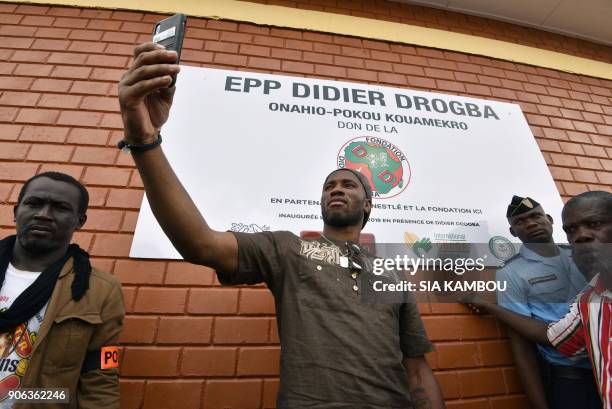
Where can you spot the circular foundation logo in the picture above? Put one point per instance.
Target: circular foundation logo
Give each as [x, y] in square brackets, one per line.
[502, 248]
[380, 161]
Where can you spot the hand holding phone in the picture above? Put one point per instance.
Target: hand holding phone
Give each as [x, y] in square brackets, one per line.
[170, 33]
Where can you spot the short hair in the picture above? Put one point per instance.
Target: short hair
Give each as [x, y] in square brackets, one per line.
[601, 196]
[61, 177]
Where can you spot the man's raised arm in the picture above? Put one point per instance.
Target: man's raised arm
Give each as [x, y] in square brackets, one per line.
[145, 102]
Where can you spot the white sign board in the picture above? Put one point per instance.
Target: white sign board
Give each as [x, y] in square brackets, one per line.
[253, 151]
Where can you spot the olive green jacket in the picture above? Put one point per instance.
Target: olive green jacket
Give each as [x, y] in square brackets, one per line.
[68, 331]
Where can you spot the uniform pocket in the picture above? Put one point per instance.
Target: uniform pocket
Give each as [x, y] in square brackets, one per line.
[68, 339]
[547, 289]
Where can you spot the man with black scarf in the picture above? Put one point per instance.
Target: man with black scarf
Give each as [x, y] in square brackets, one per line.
[59, 318]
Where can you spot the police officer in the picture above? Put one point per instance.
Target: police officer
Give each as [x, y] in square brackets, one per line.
[542, 280]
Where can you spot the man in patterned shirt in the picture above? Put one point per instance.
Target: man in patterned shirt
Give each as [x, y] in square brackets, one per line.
[587, 220]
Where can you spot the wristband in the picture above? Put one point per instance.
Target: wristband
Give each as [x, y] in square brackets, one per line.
[138, 147]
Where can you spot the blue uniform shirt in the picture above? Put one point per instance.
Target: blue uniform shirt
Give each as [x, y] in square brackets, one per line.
[542, 288]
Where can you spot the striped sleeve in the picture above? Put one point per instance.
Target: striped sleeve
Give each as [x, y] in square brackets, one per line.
[567, 334]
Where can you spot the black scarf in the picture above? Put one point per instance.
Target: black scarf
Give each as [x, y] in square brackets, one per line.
[34, 298]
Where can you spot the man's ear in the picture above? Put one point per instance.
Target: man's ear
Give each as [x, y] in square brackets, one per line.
[82, 220]
[367, 206]
[512, 232]
[550, 219]
[15, 213]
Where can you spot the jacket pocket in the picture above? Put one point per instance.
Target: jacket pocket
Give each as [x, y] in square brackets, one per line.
[68, 339]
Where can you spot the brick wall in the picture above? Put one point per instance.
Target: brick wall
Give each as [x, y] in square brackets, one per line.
[187, 339]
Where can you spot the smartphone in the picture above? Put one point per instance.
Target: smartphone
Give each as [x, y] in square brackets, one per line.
[170, 33]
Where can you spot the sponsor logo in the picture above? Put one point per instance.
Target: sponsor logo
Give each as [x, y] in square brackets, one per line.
[420, 247]
[248, 228]
[380, 161]
[501, 248]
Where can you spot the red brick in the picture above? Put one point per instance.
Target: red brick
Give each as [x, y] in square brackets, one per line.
[89, 87]
[37, 116]
[97, 196]
[114, 245]
[457, 355]
[270, 390]
[421, 82]
[150, 361]
[408, 69]
[330, 71]
[348, 61]
[131, 393]
[208, 362]
[182, 273]
[230, 59]
[605, 178]
[223, 47]
[258, 361]
[494, 353]
[129, 296]
[137, 272]
[256, 301]
[538, 120]
[160, 300]
[13, 151]
[85, 136]
[49, 32]
[16, 42]
[107, 61]
[100, 103]
[571, 148]
[561, 173]
[378, 65]
[130, 219]
[213, 301]
[299, 67]
[59, 101]
[30, 56]
[222, 25]
[43, 134]
[71, 72]
[449, 384]
[10, 132]
[253, 29]
[573, 189]
[326, 48]
[481, 382]
[112, 120]
[50, 44]
[184, 330]
[99, 156]
[79, 118]
[452, 86]
[74, 171]
[598, 151]
[19, 98]
[50, 153]
[264, 63]
[138, 330]
[128, 49]
[235, 330]
[88, 35]
[8, 114]
[165, 394]
[363, 75]
[106, 74]
[586, 176]
[18, 171]
[237, 394]
[50, 85]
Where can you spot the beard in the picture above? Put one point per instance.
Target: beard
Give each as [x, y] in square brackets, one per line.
[593, 258]
[337, 218]
[35, 246]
